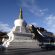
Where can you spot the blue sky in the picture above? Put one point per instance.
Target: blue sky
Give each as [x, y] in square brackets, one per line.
[37, 12]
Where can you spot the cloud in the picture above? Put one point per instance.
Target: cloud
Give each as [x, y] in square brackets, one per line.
[50, 23]
[4, 27]
[33, 8]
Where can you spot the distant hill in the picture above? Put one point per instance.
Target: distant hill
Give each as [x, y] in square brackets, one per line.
[3, 35]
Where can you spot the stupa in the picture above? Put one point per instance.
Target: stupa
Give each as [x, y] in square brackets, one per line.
[20, 36]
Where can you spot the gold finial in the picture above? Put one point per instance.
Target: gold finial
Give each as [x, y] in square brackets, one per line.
[20, 16]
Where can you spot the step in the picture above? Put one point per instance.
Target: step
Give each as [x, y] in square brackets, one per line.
[24, 44]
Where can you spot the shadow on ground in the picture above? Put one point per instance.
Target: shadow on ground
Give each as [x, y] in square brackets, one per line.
[23, 51]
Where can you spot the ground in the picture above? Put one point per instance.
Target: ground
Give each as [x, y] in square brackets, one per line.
[27, 51]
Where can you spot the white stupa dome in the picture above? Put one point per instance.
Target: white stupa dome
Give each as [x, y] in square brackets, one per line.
[18, 22]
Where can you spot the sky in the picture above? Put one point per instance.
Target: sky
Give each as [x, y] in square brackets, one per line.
[37, 12]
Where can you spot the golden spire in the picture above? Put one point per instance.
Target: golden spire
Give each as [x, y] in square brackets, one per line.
[20, 15]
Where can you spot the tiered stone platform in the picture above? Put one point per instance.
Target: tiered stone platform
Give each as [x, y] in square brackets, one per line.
[23, 40]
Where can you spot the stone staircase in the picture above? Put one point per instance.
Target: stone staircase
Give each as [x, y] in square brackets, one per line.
[23, 40]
